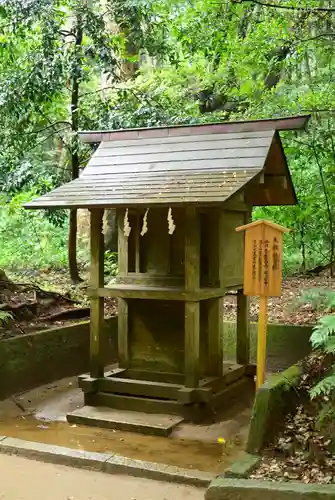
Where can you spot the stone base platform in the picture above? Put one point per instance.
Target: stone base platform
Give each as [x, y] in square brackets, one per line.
[160, 393]
[130, 421]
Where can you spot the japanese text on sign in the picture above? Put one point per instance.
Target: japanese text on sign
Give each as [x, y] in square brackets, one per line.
[262, 258]
[263, 262]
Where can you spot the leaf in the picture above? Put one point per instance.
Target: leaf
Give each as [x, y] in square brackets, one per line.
[324, 328]
[5, 316]
[325, 387]
[330, 346]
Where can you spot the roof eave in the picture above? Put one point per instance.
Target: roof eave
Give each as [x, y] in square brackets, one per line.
[40, 206]
[295, 198]
[279, 124]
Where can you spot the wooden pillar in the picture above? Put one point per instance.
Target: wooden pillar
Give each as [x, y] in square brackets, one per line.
[215, 334]
[123, 333]
[192, 309]
[192, 250]
[122, 243]
[215, 306]
[242, 329]
[122, 303]
[242, 320]
[97, 303]
[192, 341]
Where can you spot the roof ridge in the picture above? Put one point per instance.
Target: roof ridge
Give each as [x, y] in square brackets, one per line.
[280, 123]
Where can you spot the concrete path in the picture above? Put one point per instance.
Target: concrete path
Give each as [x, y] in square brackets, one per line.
[23, 479]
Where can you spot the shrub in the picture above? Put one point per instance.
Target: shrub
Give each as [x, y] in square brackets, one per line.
[323, 339]
[29, 239]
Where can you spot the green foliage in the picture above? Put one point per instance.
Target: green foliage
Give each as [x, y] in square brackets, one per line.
[29, 240]
[5, 317]
[54, 52]
[110, 267]
[323, 341]
[324, 333]
[320, 299]
[323, 338]
[327, 418]
[199, 61]
[325, 387]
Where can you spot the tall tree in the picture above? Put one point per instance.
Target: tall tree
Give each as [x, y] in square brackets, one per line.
[214, 61]
[53, 52]
[67, 40]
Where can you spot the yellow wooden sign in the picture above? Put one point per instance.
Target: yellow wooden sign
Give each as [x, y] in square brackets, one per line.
[263, 258]
[262, 275]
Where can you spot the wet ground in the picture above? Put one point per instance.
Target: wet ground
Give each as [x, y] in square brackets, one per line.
[40, 415]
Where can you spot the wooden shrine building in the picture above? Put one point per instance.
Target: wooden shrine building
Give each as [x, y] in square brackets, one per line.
[179, 193]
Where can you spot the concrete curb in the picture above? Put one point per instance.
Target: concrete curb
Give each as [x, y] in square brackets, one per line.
[103, 462]
[242, 468]
[273, 401]
[249, 489]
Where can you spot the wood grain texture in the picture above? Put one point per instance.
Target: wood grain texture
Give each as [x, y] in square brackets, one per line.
[97, 303]
[173, 169]
[192, 344]
[236, 162]
[213, 247]
[149, 141]
[261, 341]
[231, 247]
[215, 335]
[251, 126]
[123, 333]
[192, 249]
[156, 292]
[165, 157]
[137, 387]
[187, 144]
[263, 259]
[242, 329]
[123, 262]
[155, 244]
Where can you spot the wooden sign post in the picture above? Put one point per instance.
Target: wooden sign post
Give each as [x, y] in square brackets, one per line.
[262, 275]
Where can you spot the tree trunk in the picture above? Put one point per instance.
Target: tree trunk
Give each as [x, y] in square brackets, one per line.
[4, 278]
[72, 247]
[303, 248]
[328, 211]
[126, 22]
[5, 282]
[72, 239]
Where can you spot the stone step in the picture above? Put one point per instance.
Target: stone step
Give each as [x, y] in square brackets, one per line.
[130, 421]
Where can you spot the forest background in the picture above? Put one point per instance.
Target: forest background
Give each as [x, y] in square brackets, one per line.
[70, 65]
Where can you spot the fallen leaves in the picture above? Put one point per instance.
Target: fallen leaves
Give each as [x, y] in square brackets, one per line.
[295, 469]
[47, 299]
[286, 308]
[302, 452]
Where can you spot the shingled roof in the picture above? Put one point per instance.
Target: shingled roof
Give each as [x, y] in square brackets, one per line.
[204, 166]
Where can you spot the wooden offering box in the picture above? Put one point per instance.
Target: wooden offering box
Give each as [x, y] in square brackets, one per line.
[179, 194]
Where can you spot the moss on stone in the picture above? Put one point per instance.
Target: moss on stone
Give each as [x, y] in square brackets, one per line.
[272, 402]
[246, 489]
[286, 344]
[34, 359]
[243, 467]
